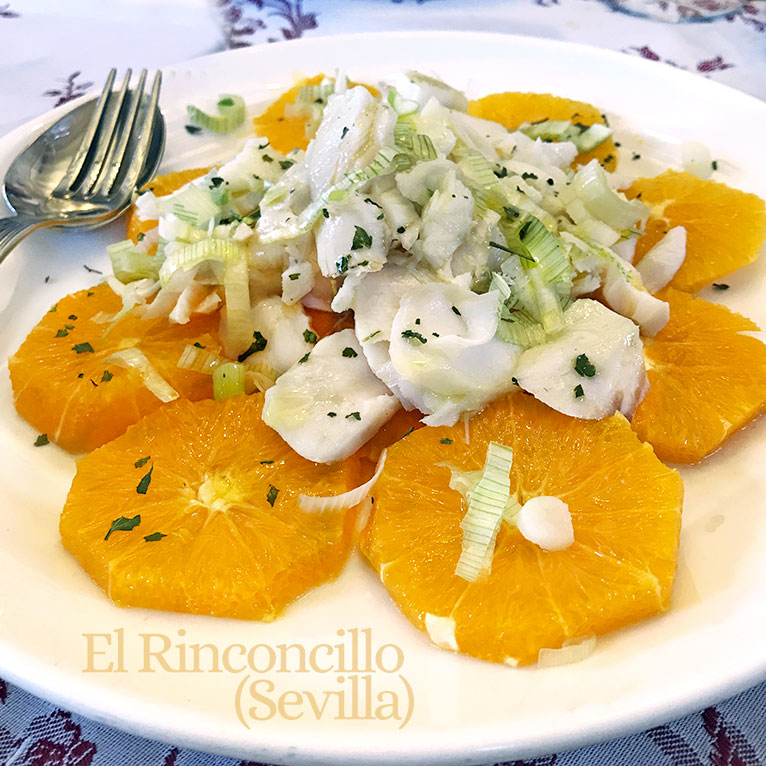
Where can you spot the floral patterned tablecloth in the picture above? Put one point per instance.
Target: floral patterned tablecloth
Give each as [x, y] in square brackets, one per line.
[52, 52]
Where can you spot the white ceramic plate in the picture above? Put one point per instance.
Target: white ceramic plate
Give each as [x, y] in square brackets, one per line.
[452, 709]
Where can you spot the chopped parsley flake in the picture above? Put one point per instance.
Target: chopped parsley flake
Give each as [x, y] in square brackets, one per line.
[215, 182]
[140, 236]
[514, 381]
[456, 310]
[146, 480]
[42, 440]
[409, 431]
[332, 414]
[257, 345]
[400, 230]
[123, 524]
[435, 334]
[293, 277]
[417, 321]
[285, 164]
[445, 440]
[372, 202]
[578, 392]
[310, 337]
[267, 462]
[61, 333]
[502, 173]
[271, 497]
[325, 212]
[342, 264]
[343, 134]
[636, 156]
[267, 158]
[354, 415]
[142, 461]
[529, 176]
[69, 327]
[193, 129]
[583, 366]
[73, 317]
[52, 309]
[107, 376]
[197, 344]
[380, 217]
[304, 358]
[83, 348]
[155, 537]
[349, 352]
[90, 270]
[412, 335]
[714, 164]
[550, 182]
[720, 286]
[362, 239]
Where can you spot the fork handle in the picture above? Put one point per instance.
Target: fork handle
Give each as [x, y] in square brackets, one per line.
[15, 228]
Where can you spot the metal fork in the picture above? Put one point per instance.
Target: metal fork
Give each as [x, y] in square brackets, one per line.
[83, 170]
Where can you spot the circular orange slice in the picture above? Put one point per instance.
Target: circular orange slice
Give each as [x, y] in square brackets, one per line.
[626, 513]
[706, 379]
[725, 227]
[65, 385]
[195, 509]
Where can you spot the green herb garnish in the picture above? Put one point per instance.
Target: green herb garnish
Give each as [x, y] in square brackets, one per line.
[257, 345]
[354, 415]
[578, 392]
[142, 461]
[349, 352]
[583, 367]
[83, 348]
[412, 335]
[445, 440]
[146, 480]
[106, 377]
[310, 337]
[361, 240]
[154, 537]
[271, 497]
[123, 524]
[42, 440]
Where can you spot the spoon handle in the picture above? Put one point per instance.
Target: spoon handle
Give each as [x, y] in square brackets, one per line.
[15, 228]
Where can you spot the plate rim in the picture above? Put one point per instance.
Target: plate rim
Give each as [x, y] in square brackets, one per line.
[693, 699]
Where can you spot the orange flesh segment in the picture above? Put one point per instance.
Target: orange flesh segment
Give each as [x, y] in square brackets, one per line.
[706, 378]
[63, 394]
[228, 551]
[512, 109]
[725, 227]
[626, 512]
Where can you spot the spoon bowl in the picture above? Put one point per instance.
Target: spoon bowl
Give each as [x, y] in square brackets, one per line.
[37, 171]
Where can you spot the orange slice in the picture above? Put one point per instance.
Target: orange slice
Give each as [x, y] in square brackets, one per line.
[626, 512]
[161, 186]
[706, 379]
[725, 228]
[215, 528]
[512, 109]
[65, 387]
[288, 133]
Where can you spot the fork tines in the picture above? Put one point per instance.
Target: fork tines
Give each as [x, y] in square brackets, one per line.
[116, 142]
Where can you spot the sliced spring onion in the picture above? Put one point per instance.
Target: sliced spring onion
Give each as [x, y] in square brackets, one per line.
[129, 264]
[231, 114]
[346, 499]
[236, 327]
[591, 185]
[584, 137]
[189, 256]
[485, 513]
[552, 264]
[136, 359]
[401, 105]
[203, 360]
[572, 650]
[192, 205]
[419, 146]
[228, 380]
[521, 332]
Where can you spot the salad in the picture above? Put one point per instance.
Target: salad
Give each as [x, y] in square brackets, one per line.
[410, 256]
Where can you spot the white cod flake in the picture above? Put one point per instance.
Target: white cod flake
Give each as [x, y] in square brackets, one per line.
[249, 168]
[446, 221]
[441, 630]
[444, 355]
[662, 262]
[613, 346]
[336, 234]
[328, 406]
[283, 327]
[354, 127]
[547, 522]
